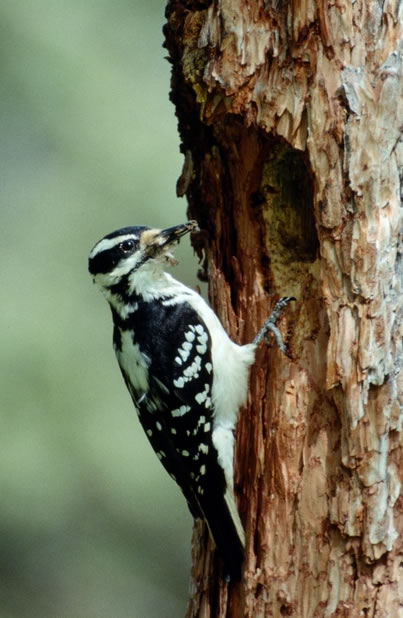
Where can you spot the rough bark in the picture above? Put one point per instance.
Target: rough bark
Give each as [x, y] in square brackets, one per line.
[290, 115]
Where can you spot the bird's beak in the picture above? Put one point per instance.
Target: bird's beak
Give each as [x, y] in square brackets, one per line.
[158, 243]
[174, 234]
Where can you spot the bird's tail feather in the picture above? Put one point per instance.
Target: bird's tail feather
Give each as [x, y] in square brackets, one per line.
[226, 529]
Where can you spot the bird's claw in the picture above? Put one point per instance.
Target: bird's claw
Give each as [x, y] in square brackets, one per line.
[270, 325]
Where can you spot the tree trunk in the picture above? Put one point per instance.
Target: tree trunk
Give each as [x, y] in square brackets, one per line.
[290, 116]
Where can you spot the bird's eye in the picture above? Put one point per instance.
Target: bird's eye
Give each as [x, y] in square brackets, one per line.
[127, 245]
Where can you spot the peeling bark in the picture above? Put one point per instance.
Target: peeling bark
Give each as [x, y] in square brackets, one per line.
[291, 115]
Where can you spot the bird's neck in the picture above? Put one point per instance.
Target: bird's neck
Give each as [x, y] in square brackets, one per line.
[149, 283]
[145, 285]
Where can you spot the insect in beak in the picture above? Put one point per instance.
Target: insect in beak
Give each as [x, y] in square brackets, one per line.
[163, 239]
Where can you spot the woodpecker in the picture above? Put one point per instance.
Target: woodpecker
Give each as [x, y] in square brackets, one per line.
[187, 379]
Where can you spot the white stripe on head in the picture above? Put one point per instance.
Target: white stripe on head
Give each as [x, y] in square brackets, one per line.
[108, 243]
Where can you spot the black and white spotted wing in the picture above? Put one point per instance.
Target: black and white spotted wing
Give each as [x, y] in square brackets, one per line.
[177, 416]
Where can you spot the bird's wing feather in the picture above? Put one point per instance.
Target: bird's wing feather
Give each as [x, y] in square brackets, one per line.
[178, 418]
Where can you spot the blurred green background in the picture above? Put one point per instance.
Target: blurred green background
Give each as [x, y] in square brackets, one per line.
[90, 524]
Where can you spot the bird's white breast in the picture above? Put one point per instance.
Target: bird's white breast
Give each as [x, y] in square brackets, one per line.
[134, 362]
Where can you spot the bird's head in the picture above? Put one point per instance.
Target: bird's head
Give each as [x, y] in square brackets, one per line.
[130, 251]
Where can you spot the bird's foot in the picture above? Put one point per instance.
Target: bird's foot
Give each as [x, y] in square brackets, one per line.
[270, 325]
